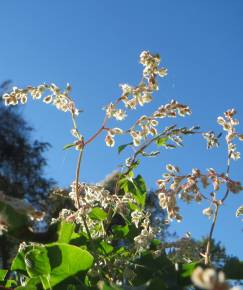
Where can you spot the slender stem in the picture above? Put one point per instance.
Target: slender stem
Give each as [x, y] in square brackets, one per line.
[86, 227]
[75, 125]
[77, 177]
[225, 196]
[94, 136]
[77, 193]
[208, 248]
[228, 165]
[103, 126]
[98, 132]
[217, 203]
[227, 175]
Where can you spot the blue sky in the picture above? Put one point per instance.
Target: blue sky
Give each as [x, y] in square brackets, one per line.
[94, 45]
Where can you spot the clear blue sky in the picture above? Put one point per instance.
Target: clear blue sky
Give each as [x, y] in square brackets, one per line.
[95, 45]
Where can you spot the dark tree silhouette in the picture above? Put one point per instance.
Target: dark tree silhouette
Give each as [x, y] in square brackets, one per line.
[22, 160]
[21, 167]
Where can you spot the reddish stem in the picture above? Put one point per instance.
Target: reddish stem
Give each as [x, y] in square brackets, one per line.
[97, 133]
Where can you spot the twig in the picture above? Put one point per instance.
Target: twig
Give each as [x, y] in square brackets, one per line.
[208, 248]
[77, 177]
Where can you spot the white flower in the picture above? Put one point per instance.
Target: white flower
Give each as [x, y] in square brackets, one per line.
[47, 99]
[126, 89]
[109, 110]
[109, 140]
[221, 121]
[116, 131]
[119, 115]
[239, 211]
[136, 217]
[143, 240]
[208, 212]
[171, 168]
[131, 104]
[23, 99]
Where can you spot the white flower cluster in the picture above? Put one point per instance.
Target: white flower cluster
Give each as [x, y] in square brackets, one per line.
[210, 279]
[51, 95]
[187, 188]
[131, 97]
[142, 128]
[137, 216]
[171, 110]
[212, 139]
[93, 196]
[228, 123]
[141, 94]
[151, 68]
[143, 240]
[146, 125]
[167, 200]
[112, 111]
[97, 196]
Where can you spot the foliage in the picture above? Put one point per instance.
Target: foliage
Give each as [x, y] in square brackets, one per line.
[108, 238]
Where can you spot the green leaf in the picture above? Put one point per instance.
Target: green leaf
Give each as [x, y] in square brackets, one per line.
[10, 283]
[67, 261]
[79, 239]
[185, 272]
[68, 146]
[15, 218]
[120, 231]
[162, 141]
[3, 274]
[98, 214]
[148, 267]
[37, 262]
[137, 187]
[52, 263]
[155, 243]
[31, 284]
[122, 147]
[18, 263]
[140, 190]
[65, 232]
[187, 269]
[105, 248]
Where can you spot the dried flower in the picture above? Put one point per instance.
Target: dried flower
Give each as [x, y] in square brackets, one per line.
[109, 140]
[208, 212]
[209, 279]
[212, 139]
[143, 240]
[228, 123]
[61, 100]
[119, 114]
